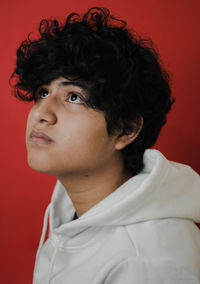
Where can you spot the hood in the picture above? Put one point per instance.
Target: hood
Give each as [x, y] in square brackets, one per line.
[163, 189]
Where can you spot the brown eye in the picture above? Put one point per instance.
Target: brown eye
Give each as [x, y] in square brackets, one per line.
[43, 93]
[74, 98]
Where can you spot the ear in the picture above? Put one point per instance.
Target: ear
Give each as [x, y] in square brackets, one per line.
[124, 140]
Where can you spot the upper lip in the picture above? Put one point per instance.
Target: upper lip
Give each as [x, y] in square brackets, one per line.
[40, 135]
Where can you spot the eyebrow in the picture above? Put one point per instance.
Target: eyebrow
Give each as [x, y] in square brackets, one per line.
[76, 84]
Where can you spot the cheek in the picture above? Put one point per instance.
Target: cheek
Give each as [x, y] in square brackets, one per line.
[85, 132]
[85, 140]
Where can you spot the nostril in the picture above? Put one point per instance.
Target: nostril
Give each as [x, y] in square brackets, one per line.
[42, 119]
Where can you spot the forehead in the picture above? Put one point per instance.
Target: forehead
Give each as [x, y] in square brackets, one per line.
[62, 82]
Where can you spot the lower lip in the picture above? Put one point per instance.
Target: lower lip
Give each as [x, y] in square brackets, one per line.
[40, 140]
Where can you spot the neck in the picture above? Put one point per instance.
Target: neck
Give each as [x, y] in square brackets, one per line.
[89, 188]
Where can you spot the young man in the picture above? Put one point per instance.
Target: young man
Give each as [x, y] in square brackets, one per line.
[120, 211]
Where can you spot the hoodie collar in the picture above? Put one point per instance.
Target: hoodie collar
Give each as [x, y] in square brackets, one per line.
[163, 189]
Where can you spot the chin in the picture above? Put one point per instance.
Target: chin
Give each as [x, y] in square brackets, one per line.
[40, 165]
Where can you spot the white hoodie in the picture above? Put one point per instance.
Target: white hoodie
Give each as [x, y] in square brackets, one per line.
[142, 233]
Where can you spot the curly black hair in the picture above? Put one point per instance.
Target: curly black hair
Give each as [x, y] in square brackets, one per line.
[121, 69]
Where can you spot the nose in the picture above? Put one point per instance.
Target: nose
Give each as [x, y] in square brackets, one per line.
[45, 112]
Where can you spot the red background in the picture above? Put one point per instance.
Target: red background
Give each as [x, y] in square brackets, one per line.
[174, 27]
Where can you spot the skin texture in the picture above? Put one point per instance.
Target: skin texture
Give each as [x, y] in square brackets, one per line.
[86, 160]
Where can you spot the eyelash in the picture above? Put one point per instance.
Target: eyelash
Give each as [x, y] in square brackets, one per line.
[37, 97]
[78, 96]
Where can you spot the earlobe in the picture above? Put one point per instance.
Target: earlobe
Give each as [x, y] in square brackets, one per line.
[124, 140]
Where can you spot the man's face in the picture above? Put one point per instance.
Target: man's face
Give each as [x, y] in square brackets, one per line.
[80, 143]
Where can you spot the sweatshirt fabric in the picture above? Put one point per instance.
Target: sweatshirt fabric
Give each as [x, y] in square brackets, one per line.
[142, 233]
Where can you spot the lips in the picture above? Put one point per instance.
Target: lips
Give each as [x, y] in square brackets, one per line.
[40, 137]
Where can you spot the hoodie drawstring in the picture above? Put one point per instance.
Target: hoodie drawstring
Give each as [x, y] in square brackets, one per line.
[44, 229]
[45, 222]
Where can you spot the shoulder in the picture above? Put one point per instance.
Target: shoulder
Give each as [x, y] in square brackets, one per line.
[174, 240]
[163, 251]
[138, 270]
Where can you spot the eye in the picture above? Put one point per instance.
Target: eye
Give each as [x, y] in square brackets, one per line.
[43, 93]
[74, 98]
